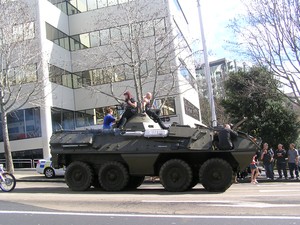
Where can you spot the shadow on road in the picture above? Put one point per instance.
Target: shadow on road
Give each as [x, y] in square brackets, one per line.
[155, 189]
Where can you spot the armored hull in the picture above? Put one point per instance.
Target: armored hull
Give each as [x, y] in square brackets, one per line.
[117, 160]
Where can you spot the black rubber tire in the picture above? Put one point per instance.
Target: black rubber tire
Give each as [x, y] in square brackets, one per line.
[9, 182]
[216, 175]
[134, 182]
[176, 175]
[79, 176]
[49, 172]
[113, 176]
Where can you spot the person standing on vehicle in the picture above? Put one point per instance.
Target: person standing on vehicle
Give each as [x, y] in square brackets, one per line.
[267, 158]
[280, 156]
[130, 109]
[293, 161]
[225, 137]
[152, 113]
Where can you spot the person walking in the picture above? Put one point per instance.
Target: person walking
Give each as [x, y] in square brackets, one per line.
[254, 170]
[293, 161]
[280, 156]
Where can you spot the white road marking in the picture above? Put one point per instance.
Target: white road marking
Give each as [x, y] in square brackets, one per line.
[231, 204]
[281, 190]
[151, 215]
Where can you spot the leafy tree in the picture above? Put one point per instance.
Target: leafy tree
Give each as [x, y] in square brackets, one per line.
[268, 34]
[253, 94]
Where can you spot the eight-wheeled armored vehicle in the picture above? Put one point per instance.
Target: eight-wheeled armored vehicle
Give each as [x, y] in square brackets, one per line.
[117, 160]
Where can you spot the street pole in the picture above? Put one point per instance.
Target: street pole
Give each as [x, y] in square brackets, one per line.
[207, 70]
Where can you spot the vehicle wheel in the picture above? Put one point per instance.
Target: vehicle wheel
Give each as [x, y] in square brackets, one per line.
[49, 173]
[216, 175]
[134, 182]
[79, 176]
[113, 176]
[9, 182]
[176, 175]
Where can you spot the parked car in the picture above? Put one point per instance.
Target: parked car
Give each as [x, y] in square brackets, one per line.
[44, 166]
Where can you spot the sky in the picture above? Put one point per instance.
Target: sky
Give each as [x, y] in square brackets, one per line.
[216, 15]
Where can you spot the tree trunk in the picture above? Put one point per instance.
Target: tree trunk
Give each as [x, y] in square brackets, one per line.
[7, 149]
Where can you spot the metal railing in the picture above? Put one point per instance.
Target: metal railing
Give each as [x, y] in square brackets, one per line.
[22, 163]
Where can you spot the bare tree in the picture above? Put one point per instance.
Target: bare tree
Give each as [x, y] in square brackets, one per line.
[145, 46]
[269, 33]
[19, 84]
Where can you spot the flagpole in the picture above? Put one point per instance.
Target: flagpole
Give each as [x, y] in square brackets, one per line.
[207, 70]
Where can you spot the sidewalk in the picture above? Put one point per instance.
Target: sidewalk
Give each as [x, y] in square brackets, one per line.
[30, 175]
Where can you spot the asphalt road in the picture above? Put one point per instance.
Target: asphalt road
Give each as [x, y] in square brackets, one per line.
[53, 203]
[51, 218]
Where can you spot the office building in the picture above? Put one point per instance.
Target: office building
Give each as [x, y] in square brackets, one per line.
[87, 53]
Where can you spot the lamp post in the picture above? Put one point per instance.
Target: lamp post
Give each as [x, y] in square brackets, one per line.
[207, 70]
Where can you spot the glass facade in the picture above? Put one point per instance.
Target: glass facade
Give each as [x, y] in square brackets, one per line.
[107, 75]
[22, 32]
[19, 75]
[106, 36]
[71, 7]
[69, 120]
[23, 124]
[167, 106]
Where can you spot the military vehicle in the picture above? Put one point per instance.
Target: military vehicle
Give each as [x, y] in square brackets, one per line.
[117, 160]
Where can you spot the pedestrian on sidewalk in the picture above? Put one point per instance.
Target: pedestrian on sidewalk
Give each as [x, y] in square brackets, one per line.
[267, 158]
[254, 169]
[280, 156]
[293, 161]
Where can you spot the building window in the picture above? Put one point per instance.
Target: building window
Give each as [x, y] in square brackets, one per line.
[71, 7]
[57, 37]
[23, 32]
[167, 106]
[91, 4]
[20, 75]
[60, 76]
[62, 119]
[112, 2]
[18, 33]
[95, 39]
[159, 26]
[29, 31]
[116, 34]
[84, 118]
[23, 124]
[104, 37]
[102, 3]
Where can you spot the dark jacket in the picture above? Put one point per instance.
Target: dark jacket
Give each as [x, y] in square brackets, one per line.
[280, 156]
[225, 137]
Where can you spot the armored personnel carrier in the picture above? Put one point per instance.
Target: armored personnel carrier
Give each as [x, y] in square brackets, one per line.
[118, 160]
